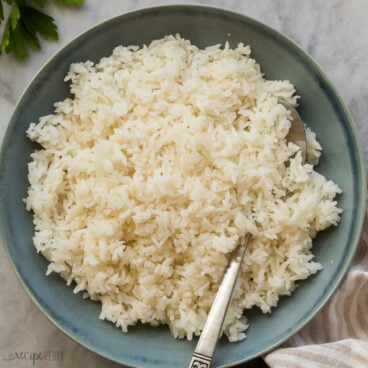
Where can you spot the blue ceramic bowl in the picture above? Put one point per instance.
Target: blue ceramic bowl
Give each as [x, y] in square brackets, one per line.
[321, 108]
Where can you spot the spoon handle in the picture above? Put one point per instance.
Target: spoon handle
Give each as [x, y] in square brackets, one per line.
[203, 353]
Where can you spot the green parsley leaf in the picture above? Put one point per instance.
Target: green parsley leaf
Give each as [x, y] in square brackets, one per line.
[20, 43]
[6, 38]
[14, 16]
[26, 23]
[40, 3]
[11, 24]
[37, 21]
[1, 12]
[30, 38]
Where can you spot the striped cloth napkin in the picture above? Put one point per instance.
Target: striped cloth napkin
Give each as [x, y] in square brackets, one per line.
[338, 336]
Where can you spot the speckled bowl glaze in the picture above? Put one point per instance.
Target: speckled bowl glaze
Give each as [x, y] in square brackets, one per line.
[321, 108]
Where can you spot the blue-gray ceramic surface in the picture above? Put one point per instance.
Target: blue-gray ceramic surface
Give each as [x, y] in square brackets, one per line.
[321, 108]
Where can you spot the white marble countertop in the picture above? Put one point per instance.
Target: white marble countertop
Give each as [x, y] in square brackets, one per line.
[334, 32]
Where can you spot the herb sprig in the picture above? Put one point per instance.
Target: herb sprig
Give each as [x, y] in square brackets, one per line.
[25, 23]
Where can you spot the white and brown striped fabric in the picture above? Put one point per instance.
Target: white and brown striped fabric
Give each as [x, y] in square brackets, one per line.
[338, 336]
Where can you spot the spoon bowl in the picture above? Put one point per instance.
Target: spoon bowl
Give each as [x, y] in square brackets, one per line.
[297, 130]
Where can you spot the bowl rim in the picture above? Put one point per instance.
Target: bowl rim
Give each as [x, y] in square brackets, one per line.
[316, 69]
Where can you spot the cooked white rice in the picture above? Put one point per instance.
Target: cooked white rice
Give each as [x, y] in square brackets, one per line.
[146, 179]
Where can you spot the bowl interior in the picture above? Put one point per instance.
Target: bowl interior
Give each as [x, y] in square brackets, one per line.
[320, 108]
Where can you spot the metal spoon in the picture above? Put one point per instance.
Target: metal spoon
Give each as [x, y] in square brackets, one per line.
[205, 349]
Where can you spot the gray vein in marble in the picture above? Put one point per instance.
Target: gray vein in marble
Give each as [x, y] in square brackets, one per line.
[6, 92]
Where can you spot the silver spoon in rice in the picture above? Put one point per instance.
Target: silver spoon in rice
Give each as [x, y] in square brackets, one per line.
[205, 349]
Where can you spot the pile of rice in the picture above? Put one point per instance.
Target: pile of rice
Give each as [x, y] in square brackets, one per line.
[146, 179]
